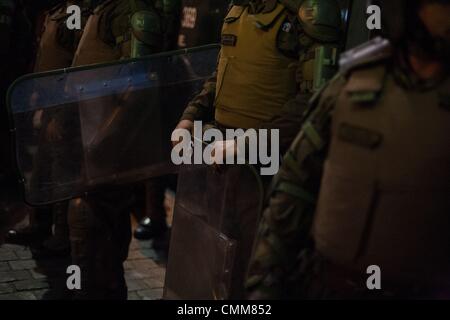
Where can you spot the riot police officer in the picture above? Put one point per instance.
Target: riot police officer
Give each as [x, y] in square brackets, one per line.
[365, 186]
[264, 77]
[200, 25]
[99, 223]
[56, 50]
[16, 55]
[294, 36]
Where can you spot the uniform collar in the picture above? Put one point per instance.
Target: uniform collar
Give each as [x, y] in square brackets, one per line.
[258, 6]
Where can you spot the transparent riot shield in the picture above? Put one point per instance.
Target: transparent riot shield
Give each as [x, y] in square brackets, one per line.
[80, 129]
[215, 220]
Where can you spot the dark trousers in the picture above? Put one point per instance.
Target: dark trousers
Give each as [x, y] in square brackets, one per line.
[100, 234]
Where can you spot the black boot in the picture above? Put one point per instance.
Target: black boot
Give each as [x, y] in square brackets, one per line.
[153, 226]
[58, 244]
[149, 229]
[39, 229]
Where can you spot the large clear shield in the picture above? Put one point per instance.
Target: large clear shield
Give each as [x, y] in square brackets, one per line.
[216, 215]
[80, 129]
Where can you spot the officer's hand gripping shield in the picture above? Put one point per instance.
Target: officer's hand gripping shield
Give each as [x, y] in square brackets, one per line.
[81, 129]
[215, 220]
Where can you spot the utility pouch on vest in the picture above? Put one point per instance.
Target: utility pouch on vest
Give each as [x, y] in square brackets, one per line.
[320, 66]
[325, 65]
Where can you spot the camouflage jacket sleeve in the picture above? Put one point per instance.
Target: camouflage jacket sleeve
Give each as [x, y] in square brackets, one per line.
[286, 222]
[202, 106]
[289, 120]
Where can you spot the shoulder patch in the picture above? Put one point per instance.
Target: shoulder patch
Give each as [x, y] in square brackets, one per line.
[359, 136]
[365, 85]
[265, 21]
[374, 51]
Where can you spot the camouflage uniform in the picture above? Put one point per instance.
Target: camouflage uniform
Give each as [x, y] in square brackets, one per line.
[354, 191]
[99, 223]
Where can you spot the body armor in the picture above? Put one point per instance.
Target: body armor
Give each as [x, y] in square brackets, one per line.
[385, 196]
[284, 55]
[92, 49]
[56, 48]
[254, 79]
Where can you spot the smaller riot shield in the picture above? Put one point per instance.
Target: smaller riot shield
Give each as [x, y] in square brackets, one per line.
[209, 260]
[81, 129]
[215, 221]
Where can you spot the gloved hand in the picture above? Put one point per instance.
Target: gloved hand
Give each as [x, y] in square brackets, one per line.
[183, 124]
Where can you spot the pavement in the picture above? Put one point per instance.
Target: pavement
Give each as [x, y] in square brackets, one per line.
[23, 276]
